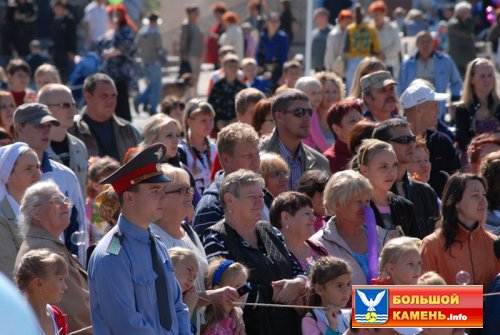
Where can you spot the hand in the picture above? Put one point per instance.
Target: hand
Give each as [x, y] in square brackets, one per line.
[190, 298]
[331, 315]
[238, 324]
[223, 296]
[291, 289]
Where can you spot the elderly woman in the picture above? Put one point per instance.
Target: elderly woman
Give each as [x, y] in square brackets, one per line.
[18, 170]
[45, 213]
[275, 172]
[293, 215]
[346, 195]
[462, 244]
[341, 118]
[275, 276]
[175, 231]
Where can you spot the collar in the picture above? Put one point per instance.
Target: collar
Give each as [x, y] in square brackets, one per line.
[433, 55]
[131, 230]
[37, 231]
[45, 164]
[287, 154]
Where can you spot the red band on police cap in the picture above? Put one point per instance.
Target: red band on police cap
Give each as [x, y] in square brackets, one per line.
[128, 180]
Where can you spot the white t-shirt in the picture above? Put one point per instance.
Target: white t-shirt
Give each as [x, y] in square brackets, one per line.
[97, 18]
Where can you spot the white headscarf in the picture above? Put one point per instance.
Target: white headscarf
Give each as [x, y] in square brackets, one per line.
[8, 157]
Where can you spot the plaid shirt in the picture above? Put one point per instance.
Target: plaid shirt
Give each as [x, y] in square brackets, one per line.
[294, 164]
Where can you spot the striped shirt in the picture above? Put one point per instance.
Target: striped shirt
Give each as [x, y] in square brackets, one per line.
[294, 164]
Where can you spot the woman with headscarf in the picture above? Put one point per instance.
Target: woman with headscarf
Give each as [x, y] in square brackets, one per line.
[19, 168]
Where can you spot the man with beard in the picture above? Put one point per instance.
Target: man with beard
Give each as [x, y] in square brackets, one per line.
[292, 113]
[379, 96]
[397, 132]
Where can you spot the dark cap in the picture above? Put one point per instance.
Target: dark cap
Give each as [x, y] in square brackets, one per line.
[145, 167]
[34, 113]
[376, 79]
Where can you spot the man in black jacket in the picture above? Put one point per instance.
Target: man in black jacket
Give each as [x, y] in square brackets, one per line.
[397, 132]
[421, 105]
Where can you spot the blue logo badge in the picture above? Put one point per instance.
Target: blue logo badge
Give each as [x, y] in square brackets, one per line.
[371, 306]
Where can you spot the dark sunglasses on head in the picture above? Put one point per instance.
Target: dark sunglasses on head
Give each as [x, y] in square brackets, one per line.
[300, 112]
[404, 139]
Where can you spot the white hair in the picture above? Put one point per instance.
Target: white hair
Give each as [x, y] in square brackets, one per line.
[35, 196]
[306, 83]
[462, 6]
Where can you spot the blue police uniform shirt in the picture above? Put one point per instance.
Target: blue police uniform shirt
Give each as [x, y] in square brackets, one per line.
[122, 287]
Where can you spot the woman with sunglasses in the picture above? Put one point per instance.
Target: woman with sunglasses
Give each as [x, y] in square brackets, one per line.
[174, 231]
[45, 213]
[18, 170]
[377, 161]
[479, 110]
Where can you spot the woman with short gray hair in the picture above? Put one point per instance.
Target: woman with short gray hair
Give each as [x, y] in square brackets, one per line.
[346, 195]
[275, 276]
[45, 213]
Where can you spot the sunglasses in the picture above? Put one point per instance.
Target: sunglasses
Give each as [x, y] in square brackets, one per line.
[300, 112]
[59, 201]
[65, 105]
[406, 139]
[185, 190]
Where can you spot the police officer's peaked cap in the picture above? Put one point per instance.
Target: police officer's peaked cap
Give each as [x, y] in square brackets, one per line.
[145, 167]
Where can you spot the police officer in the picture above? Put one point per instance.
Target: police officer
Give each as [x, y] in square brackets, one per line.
[133, 289]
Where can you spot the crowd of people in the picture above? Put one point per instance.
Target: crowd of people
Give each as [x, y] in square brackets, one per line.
[276, 187]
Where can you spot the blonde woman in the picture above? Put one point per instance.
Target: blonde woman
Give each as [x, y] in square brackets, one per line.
[333, 90]
[366, 66]
[275, 172]
[478, 112]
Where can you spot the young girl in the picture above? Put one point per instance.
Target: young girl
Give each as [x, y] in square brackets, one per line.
[40, 276]
[330, 288]
[377, 161]
[222, 272]
[197, 150]
[186, 266]
[400, 262]
[99, 168]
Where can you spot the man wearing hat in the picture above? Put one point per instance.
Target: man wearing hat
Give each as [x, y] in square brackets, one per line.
[421, 105]
[379, 96]
[132, 284]
[33, 124]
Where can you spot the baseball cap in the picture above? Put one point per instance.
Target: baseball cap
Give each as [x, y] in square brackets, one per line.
[377, 79]
[417, 94]
[34, 113]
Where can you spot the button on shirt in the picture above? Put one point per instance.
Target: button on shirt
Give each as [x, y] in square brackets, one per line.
[122, 287]
[294, 165]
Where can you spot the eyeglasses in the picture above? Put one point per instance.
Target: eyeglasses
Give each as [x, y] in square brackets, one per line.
[300, 112]
[65, 105]
[59, 201]
[406, 139]
[185, 190]
[269, 120]
[279, 173]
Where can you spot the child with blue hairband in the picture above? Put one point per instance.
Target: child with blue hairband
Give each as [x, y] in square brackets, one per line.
[223, 272]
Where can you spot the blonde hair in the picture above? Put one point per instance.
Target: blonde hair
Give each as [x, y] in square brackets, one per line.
[369, 148]
[395, 249]
[342, 187]
[39, 263]
[270, 161]
[212, 314]
[175, 174]
[431, 278]
[326, 76]
[48, 69]
[179, 255]
[308, 83]
[468, 89]
[368, 65]
[154, 126]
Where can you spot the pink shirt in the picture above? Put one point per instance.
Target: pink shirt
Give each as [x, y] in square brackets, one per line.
[316, 139]
[221, 328]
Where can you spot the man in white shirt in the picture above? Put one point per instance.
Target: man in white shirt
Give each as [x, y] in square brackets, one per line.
[95, 22]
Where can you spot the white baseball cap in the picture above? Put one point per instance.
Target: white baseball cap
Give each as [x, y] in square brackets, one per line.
[417, 94]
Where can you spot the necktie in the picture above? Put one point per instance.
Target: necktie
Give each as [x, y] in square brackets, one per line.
[161, 286]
